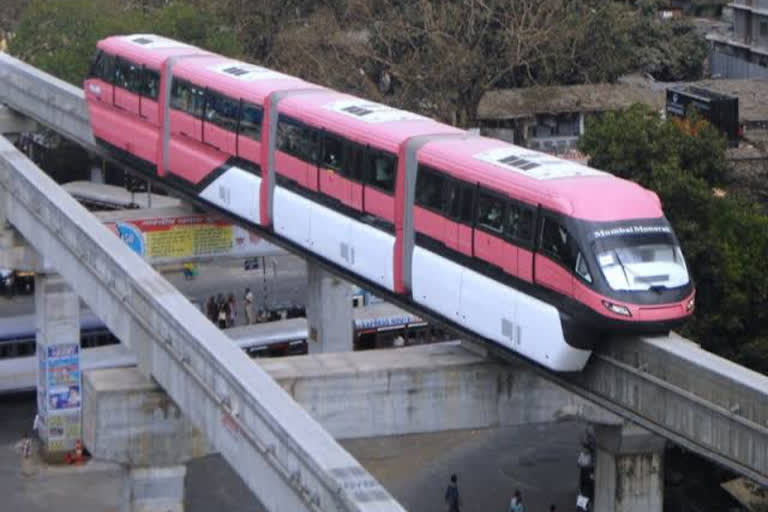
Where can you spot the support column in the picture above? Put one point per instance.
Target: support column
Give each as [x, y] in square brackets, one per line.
[629, 469]
[128, 419]
[154, 489]
[57, 310]
[329, 312]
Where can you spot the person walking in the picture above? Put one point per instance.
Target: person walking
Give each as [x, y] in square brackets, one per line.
[250, 317]
[452, 498]
[516, 503]
[221, 312]
[232, 313]
[211, 309]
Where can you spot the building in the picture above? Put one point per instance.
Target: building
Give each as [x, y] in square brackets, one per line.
[743, 51]
[551, 119]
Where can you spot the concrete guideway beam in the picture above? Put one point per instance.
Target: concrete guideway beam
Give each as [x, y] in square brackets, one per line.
[281, 453]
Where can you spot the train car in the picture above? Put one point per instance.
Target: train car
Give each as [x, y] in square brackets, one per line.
[535, 253]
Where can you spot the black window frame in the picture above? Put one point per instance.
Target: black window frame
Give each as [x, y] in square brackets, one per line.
[182, 82]
[372, 154]
[145, 91]
[134, 87]
[571, 247]
[497, 196]
[304, 130]
[517, 237]
[424, 174]
[252, 133]
[215, 121]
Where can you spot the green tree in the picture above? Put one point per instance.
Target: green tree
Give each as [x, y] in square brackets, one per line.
[60, 36]
[725, 241]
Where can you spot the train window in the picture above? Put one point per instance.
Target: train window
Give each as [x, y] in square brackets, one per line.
[250, 121]
[187, 97]
[150, 84]
[582, 270]
[467, 212]
[353, 161]
[519, 224]
[332, 149]
[383, 170]
[451, 198]
[222, 111]
[556, 241]
[128, 75]
[490, 212]
[429, 188]
[103, 67]
[297, 139]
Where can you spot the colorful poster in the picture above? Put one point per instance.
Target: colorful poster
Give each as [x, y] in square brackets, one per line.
[186, 237]
[63, 376]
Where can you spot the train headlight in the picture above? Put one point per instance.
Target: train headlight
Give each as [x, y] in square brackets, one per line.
[691, 304]
[617, 308]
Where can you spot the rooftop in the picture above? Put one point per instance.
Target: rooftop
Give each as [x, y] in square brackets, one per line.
[526, 102]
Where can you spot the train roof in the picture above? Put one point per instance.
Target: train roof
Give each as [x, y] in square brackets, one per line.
[148, 49]
[362, 120]
[562, 185]
[559, 184]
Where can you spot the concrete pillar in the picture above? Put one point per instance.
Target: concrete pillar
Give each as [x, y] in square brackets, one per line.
[128, 419]
[329, 312]
[154, 489]
[57, 310]
[629, 469]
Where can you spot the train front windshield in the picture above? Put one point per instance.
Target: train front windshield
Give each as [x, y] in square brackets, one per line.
[640, 262]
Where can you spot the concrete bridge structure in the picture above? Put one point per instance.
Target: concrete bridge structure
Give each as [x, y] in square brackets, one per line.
[667, 385]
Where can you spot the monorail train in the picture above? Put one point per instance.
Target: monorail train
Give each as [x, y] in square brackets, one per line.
[533, 252]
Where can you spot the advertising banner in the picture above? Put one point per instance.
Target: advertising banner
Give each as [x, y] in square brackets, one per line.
[188, 236]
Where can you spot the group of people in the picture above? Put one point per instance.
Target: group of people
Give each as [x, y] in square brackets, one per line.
[223, 311]
[453, 499]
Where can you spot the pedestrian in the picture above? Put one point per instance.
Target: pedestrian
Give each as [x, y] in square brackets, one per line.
[232, 313]
[223, 314]
[250, 318]
[516, 503]
[452, 498]
[36, 426]
[211, 309]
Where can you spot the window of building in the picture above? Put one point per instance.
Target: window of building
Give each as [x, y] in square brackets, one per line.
[187, 97]
[297, 139]
[490, 212]
[764, 29]
[383, 170]
[429, 188]
[222, 111]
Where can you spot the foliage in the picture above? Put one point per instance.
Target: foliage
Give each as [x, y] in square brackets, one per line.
[59, 36]
[725, 241]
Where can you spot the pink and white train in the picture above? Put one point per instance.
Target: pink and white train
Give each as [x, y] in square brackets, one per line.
[536, 253]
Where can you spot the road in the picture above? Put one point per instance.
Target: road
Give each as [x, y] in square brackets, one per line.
[227, 276]
[539, 460]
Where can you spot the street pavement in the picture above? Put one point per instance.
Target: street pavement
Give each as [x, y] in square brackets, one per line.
[539, 460]
[283, 279]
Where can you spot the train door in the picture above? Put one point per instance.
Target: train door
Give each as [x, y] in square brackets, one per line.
[100, 83]
[354, 161]
[466, 218]
[331, 180]
[489, 245]
[127, 86]
[220, 122]
[379, 190]
[519, 228]
[556, 257]
[451, 208]
[150, 88]
[428, 216]
[249, 132]
[297, 148]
